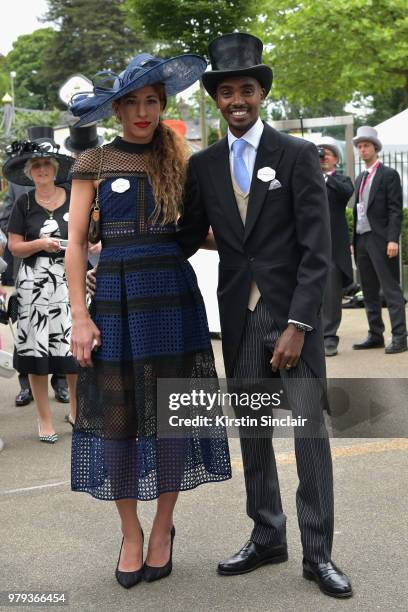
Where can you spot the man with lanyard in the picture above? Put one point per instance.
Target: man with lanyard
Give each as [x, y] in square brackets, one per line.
[339, 191]
[377, 228]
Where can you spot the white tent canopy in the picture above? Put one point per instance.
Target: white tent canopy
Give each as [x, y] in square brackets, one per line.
[394, 131]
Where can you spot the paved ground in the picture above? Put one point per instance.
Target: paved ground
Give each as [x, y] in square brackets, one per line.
[52, 539]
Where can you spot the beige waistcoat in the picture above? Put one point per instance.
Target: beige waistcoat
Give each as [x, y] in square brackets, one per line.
[242, 203]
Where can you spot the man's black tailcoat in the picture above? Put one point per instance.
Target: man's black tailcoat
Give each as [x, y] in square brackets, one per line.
[285, 244]
[339, 191]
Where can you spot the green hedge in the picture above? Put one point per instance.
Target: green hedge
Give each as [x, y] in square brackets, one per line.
[404, 239]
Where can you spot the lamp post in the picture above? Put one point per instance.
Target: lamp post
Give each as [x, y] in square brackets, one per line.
[7, 114]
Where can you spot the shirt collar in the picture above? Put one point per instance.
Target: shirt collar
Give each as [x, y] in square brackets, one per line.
[252, 136]
[371, 167]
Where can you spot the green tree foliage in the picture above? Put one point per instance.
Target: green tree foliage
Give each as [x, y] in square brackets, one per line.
[92, 35]
[386, 105]
[23, 120]
[187, 26]
[4, 77]
[27, 59]
[329, 50]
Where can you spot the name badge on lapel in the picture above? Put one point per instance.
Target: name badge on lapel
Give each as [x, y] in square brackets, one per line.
[120, 185]
[266, 174]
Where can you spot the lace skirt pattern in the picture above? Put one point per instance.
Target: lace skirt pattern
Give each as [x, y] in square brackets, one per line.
[153, 325]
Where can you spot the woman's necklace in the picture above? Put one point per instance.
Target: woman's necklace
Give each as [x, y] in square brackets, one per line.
[44, 203]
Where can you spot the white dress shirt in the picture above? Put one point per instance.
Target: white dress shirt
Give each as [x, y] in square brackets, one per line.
[252, 137]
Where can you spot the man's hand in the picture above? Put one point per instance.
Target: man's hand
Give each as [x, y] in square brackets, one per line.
[91, 282]
[288, 349]
[392, 249]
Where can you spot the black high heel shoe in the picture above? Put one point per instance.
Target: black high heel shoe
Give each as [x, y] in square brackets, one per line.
[129, 579]
[150, 573]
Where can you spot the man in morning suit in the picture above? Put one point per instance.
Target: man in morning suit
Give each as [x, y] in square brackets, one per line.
[264, 196]
[339, 191]
[377, 228]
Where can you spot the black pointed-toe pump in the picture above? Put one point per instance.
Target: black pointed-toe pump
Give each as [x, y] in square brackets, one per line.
[150, 573]
[129, 579]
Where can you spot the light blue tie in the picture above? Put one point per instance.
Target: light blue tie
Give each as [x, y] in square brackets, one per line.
[241, 173]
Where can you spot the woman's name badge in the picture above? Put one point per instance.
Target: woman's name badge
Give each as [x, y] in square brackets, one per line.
[66, 217]
[266, 174]
[120, 185]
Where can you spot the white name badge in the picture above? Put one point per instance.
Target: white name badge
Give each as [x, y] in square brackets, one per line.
[360, 210]
[266, 174]
[66, 217]
[120, 185]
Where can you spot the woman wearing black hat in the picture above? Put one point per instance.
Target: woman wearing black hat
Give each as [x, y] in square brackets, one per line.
[148, 319]
[37, 232]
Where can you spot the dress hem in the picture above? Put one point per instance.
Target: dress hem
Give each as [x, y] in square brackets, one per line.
[211, 480]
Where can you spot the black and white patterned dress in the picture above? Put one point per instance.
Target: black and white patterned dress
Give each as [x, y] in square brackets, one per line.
[44, 315]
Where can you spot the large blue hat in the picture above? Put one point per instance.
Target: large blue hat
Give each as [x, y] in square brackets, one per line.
[176, 74]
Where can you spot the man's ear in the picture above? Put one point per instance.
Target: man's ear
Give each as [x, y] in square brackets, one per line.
[263, 94]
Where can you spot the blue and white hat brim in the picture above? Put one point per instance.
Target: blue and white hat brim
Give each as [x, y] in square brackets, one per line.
[176, 73]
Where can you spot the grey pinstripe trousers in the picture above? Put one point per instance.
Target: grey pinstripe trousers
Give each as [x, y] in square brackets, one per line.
[314, 497]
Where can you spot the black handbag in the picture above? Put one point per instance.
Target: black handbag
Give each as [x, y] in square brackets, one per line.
[3, 309]
[9, 313]
[94, 231]
[12, 307]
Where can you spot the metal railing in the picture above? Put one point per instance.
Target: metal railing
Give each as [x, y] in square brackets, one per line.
[398, 161]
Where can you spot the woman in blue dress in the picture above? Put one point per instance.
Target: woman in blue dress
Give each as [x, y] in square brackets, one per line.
[147, 320]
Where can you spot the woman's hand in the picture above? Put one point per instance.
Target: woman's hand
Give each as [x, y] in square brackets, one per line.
[85, 336]
[51, 245]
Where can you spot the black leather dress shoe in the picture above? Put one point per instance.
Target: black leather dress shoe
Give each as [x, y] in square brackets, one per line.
[330, 578]
[62, 395]
[251, 556]
[24, 397]
[370, 342]
[397, 345]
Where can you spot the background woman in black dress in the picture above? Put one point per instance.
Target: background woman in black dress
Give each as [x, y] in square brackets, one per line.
[38, 224]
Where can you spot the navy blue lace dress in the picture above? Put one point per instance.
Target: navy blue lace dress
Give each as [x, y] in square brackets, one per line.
[153, 325]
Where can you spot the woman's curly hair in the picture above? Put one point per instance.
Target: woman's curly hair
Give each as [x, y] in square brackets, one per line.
[166, 164]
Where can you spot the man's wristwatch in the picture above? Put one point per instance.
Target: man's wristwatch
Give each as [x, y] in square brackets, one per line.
[300, 327]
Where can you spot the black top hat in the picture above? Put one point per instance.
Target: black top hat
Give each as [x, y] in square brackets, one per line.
[81, 138]
[236, 54]
[41, 133]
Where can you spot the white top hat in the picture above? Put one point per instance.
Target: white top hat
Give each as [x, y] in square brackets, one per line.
[366, 132]
[330, 143]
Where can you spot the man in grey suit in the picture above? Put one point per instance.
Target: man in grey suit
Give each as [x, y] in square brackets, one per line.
[377, 229]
